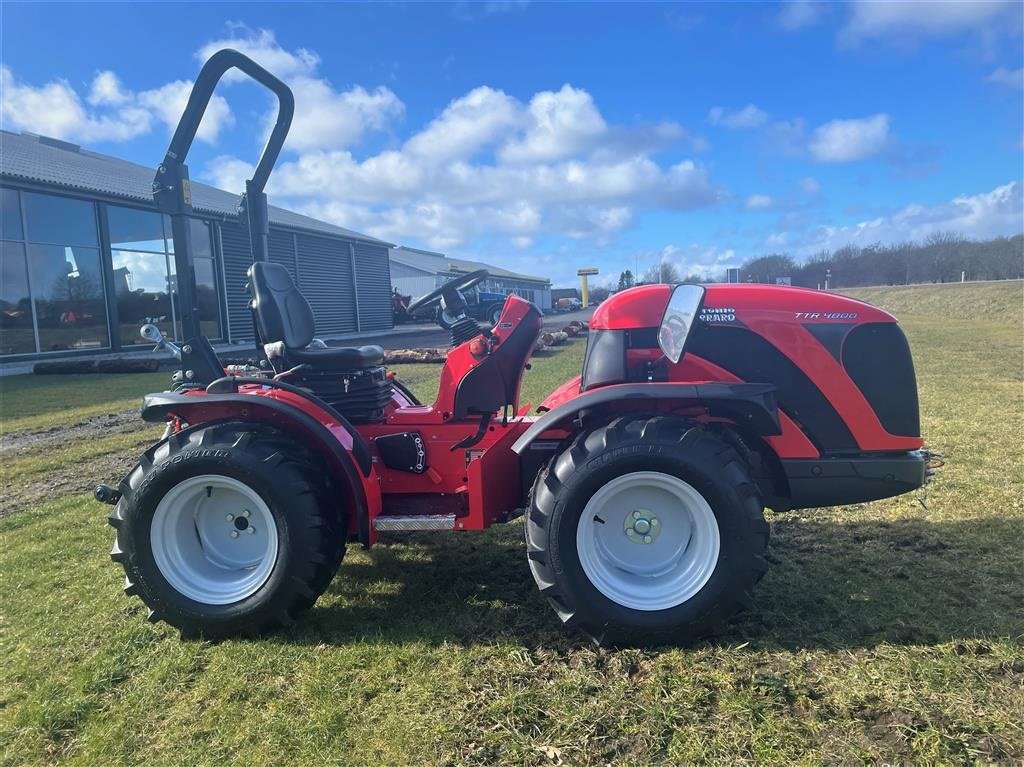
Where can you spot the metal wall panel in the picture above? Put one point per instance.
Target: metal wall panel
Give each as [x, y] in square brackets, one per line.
[323, 270]
[237, 259]
[281, 250]
[373, 282]
[325, 279]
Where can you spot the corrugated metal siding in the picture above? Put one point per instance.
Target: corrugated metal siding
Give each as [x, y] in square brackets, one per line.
[373, 281]
[324, 275]
[414, 286]
[237, 259]
[281, 249]
[325, 279]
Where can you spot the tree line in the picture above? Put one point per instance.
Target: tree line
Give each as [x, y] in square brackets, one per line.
[940, 258]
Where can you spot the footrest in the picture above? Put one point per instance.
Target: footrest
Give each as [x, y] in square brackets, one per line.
[417, 522]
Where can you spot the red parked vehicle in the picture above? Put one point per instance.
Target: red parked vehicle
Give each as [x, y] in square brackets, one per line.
[642, 480]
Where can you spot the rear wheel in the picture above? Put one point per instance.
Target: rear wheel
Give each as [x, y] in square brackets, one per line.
[647, 529]
[495, 314]
[228, 528]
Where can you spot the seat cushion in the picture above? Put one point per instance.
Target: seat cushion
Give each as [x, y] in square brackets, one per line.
[336, 359]
[282, 312]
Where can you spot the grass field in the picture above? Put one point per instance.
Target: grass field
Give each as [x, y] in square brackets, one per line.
[886, 632]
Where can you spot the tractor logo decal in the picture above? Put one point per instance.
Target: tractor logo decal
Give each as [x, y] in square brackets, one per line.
[718, 314]
[825, 315]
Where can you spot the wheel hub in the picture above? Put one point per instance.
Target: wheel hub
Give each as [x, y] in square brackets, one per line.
[642, 526]
[214, 539]
[648, 540]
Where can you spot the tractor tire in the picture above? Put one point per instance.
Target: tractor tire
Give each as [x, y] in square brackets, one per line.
[495, 314]
[440, 319]
[228, 529]
[646, 530]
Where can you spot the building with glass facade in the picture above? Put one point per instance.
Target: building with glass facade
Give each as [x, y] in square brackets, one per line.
[85, 258]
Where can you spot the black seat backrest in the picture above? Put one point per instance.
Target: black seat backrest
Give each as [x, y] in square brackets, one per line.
[282, 312]
[495, 382]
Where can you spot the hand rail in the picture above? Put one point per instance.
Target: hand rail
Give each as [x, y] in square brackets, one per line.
[198, 101]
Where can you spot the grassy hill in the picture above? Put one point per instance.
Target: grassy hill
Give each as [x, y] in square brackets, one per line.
[968, 300]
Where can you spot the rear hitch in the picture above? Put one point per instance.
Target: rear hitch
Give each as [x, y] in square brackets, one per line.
[107, 494]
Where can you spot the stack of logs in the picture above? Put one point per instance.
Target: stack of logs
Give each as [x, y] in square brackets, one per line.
[554, 338]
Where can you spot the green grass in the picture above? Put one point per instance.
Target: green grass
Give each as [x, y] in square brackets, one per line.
[885, 632]
[33, 402]
[966, 301]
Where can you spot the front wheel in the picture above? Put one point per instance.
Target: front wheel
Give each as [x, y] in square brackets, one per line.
[228, 528]
[647, 529]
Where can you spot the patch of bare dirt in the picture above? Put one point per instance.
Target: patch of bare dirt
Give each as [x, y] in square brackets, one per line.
[97, 426]
[77, 478]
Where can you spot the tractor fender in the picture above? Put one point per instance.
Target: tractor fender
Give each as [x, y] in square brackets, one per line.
[750, 404]
[352, 463]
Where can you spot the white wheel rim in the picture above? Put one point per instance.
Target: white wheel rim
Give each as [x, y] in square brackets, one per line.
[648, 540]
[214, 539]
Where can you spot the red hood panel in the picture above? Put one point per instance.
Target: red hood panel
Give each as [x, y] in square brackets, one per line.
[643, 307]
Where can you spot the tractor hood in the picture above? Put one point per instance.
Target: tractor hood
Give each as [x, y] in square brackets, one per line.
[643, 306]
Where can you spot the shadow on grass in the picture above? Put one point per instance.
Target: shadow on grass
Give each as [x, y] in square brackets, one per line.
[852, 584]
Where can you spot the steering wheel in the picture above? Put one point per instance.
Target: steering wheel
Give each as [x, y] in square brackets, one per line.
[449, 296]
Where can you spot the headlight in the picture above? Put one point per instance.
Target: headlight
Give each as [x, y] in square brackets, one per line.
[680, 314]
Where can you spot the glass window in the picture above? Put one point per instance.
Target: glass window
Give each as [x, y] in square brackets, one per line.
[59, 219]
[132, 229]
[201, 247]
[206, 298]
[68, 289]
[142, 285]
[16, 334]
[10, 226]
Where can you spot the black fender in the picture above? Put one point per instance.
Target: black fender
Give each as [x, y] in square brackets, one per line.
[750, 404]
[155, 408]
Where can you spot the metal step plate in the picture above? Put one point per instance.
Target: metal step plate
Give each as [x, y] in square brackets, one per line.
[418, 522]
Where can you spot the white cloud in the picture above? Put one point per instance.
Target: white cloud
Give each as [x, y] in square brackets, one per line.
[560, 124]
[55, 109]
[749, 116]
[902, 21]
[168, 102]
[325, 118]
[797, 14]
[978, 216]
[465, 10]
[466, 125]
[850, 140]
[107, 90]
[810, 185]
[1013, 78]
[262, 47]
[490, 165]
[759, 202]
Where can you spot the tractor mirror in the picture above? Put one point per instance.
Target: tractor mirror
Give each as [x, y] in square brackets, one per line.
[680, 314]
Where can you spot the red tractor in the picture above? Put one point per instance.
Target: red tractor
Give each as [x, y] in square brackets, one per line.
[642, 480]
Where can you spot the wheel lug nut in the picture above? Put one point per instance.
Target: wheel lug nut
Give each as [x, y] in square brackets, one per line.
[647, 539]
[245, 513]
[251, 530]
[229, 517]
[636, 515]
[654, 522]
[234, 533]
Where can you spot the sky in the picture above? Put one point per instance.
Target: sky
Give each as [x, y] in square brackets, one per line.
[546, 137]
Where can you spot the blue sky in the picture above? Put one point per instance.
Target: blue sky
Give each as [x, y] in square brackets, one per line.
[545, 137]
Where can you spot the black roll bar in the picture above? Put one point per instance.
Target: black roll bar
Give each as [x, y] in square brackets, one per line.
[171, 190]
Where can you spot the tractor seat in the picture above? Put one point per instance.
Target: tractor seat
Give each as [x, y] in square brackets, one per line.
[283, 314]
